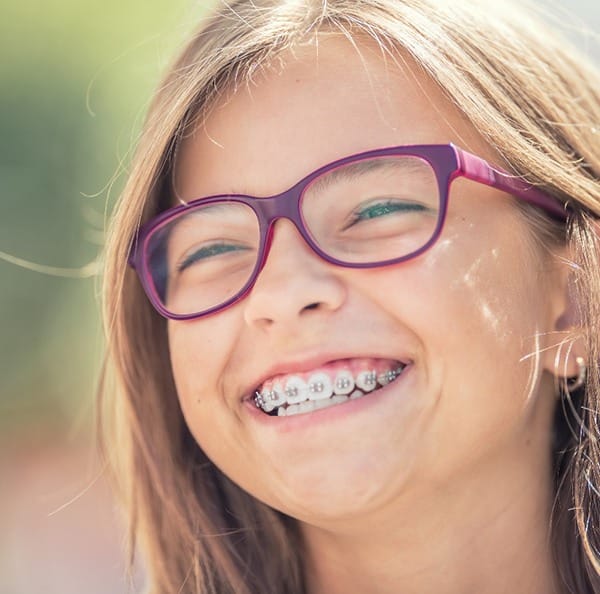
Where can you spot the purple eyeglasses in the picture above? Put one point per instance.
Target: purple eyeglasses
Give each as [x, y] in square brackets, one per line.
[375, 208]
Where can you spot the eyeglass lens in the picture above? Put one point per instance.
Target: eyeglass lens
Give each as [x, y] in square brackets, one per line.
[364, 212]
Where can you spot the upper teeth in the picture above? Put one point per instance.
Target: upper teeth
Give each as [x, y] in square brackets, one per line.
[344, 383]
[320, 387]
[296, 390]
[388, 376]
[366, 380]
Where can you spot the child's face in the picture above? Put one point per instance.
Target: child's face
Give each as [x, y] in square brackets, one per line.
[464, 315]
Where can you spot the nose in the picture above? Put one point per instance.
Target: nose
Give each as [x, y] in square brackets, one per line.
[294, 282]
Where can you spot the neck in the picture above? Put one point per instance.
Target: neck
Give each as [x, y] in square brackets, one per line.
[487, 534]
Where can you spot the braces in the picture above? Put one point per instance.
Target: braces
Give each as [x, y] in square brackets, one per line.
[342, 383]
[389, 376]
[291, 392]
[371, 378]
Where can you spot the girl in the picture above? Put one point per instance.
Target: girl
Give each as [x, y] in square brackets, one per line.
[361, 351]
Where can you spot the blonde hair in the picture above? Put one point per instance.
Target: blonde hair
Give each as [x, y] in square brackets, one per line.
[536, 103]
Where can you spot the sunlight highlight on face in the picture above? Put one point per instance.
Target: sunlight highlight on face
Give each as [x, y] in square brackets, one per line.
[458, 319]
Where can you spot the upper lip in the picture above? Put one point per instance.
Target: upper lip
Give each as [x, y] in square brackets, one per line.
[300, 364]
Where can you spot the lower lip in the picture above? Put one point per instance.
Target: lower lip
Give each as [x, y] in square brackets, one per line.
[332, 413]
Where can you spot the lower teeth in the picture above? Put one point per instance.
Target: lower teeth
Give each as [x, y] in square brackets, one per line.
[312, 405]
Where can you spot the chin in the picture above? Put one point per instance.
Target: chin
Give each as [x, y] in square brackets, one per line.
[340, 487]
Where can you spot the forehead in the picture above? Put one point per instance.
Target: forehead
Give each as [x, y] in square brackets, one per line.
[320, 102]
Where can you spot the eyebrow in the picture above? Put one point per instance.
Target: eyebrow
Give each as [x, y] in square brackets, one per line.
[212, 212]
[350, 172]
[345, 173]
[216, 209]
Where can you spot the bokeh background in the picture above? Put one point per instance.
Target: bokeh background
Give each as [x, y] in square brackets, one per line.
[75, 79]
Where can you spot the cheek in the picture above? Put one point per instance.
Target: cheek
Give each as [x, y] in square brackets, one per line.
[200, 351]
[490, 298]
[494, 314]
[480, 300]
[486, 277]
[477, 312]
[205, 360]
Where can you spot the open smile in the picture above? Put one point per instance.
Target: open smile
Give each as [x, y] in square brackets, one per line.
[334, 383]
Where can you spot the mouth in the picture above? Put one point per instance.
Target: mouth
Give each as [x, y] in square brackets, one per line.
[332, 384]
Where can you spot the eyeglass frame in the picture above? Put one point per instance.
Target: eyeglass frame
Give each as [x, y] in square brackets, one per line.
[447, 161]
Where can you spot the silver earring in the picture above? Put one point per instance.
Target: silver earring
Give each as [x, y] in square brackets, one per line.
[572, 384]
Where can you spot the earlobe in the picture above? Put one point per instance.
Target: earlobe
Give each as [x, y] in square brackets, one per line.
[574, 383]
[564, 354]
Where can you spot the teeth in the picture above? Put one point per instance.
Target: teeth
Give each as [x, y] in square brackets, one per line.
[306, 407]
[320, 391]
[389, 376]
[319, 386]
[336, 399]
[366, 380]
[277, 394]
[291, 392]
[268, 400]
[385, 378]
[344, 382]
[268, 406]
[296, 390]
[322, 404]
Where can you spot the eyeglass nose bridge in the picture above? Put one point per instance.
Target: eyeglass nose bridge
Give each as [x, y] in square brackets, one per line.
[284, 205]
[269, 210]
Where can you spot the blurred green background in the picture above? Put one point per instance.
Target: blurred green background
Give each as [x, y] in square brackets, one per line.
[75, 78]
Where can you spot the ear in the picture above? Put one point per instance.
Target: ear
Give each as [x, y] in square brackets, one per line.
[563, 342]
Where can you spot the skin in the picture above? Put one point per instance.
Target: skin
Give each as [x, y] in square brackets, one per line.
[443, 485]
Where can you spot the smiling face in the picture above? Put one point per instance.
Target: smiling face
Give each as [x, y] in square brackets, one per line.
[455, 324]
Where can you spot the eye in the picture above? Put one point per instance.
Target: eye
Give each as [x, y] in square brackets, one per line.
[207, 252]
[377, 209]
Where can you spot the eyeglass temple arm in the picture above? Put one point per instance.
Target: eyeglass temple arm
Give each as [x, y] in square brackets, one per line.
[479, 170]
